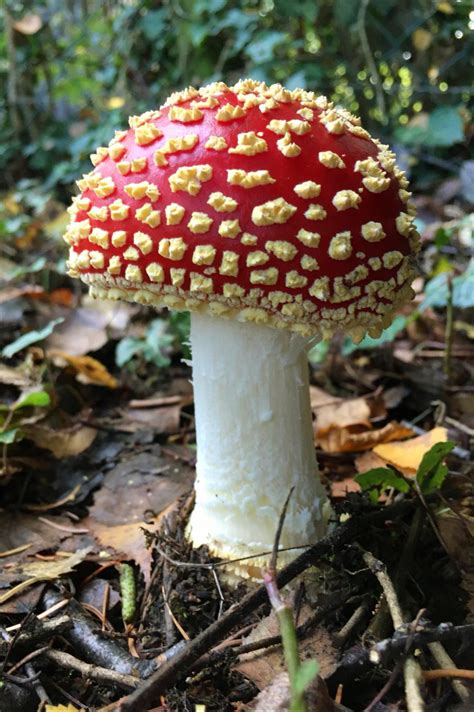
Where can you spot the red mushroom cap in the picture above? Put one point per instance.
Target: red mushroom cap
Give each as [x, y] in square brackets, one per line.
[252, 202]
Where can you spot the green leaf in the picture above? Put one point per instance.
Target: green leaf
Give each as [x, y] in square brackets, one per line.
[382, 478]
[22, 270]
[262, 47]
[31, 337]
[36, 399]
[444, 128]
[126, 349]
[305, 675]
[432, 470]
[7, 437]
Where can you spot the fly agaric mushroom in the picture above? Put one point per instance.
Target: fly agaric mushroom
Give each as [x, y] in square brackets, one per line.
[271, 216]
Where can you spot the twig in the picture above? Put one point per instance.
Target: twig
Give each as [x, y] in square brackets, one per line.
[219, 653]
[40, 632]
[276, 541]
[411, 669]
[342, 635]
[184, 660]
[87, 640]
[356, 661]
[27, 659]
[439, 653]
[449, 332]
[448, 672]
[364, 43]
[93, 672]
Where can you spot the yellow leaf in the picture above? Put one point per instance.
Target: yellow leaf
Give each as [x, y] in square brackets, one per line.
[88, 369]
[445, 7]
[407, 455]
[115, 102]
[62, 708]
[421, 39]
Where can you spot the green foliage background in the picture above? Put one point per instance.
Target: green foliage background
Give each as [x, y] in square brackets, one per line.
[72, 72]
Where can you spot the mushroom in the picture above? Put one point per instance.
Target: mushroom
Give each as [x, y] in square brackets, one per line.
[274, 218]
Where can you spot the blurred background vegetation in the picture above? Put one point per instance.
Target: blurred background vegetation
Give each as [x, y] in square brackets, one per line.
[72, 72]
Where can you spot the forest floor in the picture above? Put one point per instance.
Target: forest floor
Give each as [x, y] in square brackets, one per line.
[104, 605]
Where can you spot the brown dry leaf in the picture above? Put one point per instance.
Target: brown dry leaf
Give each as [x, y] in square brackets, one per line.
[368, 461]
[319, 397]
[88, 369]
[143, 482]
[129, 539]
[87, 328]
[28, 24]
[276, 697]
[457, 532]
[346, 413]
[343, 440]
[62, 442]
[262, 666]
[37, 571]
[407, 455]
[162, 420]
[341, 488]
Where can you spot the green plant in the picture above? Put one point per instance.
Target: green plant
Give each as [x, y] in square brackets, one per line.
[430, 475]
[153, 348]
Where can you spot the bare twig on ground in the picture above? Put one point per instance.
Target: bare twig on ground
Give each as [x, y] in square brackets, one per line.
[87, 638]
[39, 633]
[358, 660]
[93, 672]
[411, 669]
[448, 672]
[185, 659]
[439, 653]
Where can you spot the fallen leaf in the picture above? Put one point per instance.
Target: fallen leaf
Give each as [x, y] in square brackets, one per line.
[368, 461]
[87, 329]
[62, 708]
[129, 540]
[262, 666]
[62, 442]
[161, 420]
[37, 571]
[28, 24]
[342, 414]
[341, 488]
[343, 440]
[407, 455]
[457, 532]
[88, 369]
[143, 482]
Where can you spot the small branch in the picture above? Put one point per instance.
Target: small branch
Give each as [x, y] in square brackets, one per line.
[355, 662]
[369, 58]
[449, 332]
[411, 669]
[439, 653]
[92, 672]
[448, 672]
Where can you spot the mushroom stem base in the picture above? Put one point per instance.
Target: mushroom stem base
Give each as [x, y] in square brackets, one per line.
[254, 442]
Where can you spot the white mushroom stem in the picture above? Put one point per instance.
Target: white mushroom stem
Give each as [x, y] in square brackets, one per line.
[254, 441]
